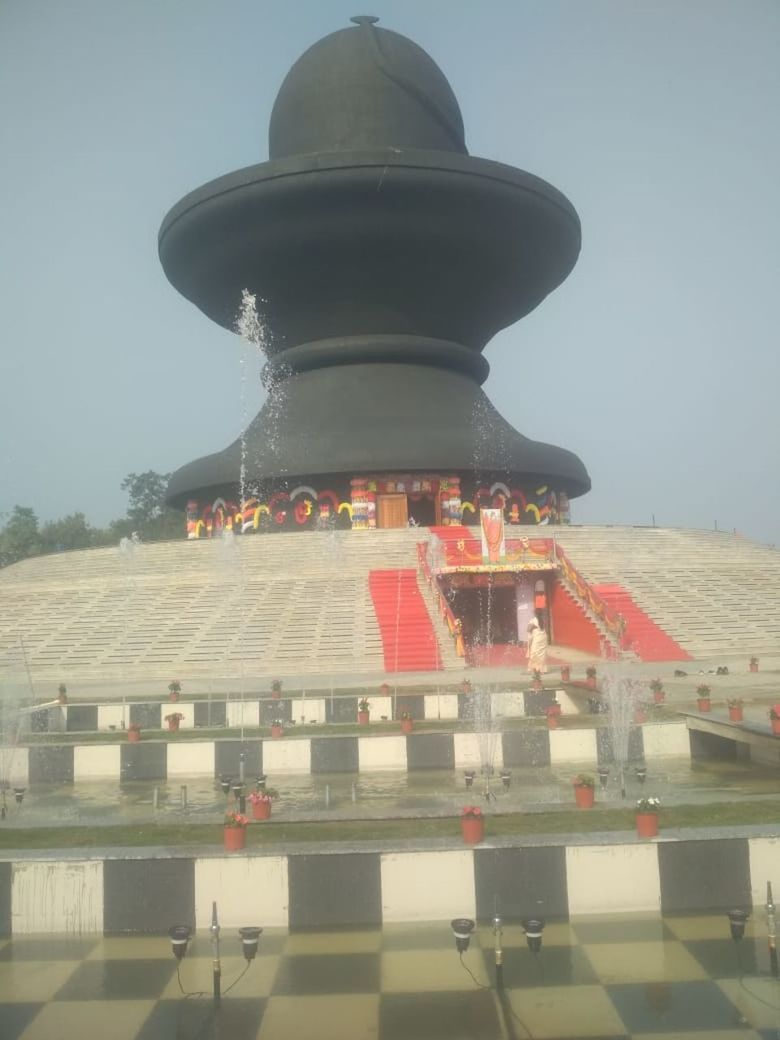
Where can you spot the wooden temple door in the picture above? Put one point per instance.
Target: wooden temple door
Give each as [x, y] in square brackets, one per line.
[392, 511]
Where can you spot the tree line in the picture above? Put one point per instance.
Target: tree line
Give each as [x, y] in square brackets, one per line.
[23, 535]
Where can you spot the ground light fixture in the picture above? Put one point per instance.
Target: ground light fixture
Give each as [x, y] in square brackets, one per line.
[533, 928]
[462, 928]
[225, 782]
[603, 776]
[180, 935]
[469, 778]
[250, 937]
[506, 778]
[19, 794]
[737, 922]
[641, 774]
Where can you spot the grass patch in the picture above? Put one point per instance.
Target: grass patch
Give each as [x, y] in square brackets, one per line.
[278, 832]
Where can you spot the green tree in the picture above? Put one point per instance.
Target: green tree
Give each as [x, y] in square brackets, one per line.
[20, 536]
[71, 532]
[147, 512]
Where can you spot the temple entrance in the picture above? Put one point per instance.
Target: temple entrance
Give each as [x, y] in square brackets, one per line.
[488, 616]
[425, 510]
[392, 511]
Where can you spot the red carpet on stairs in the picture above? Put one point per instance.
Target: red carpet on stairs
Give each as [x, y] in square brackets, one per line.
[408, 637]
[643, 636]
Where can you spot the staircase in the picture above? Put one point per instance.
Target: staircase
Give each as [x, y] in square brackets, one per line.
[408, 638]
[642, 635]
[713, 593]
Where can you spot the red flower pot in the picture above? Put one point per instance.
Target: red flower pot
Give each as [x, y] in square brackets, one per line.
[753, 667]
[591, 682]
[134, 735]
[647, 824]
[584, 796]
[260, 811]
[173, 697]
[565, 673]
[537, 684]
[173, 725]
[703, 703]
[735, 714]
[363, 717]
[277, 732]
[384, 689]
[552, 721]
[775, 726]
[407, 725]
[658, 697]
[235, 838]
[473, 828]
[640, 716]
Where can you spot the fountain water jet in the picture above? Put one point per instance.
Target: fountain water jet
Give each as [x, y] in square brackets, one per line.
[622, 694]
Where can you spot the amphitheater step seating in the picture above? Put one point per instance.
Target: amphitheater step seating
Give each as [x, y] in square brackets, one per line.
[294, 604]
[285, 604]
[408, 637]
[648, 641]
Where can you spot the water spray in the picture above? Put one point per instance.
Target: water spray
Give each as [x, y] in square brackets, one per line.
[771, 929]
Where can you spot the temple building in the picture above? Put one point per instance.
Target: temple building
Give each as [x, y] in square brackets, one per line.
[383, 258]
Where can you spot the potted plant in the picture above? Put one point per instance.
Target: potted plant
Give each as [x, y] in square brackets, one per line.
[234, 832]
[276, 689]
[407, 722]
[657, 688]
[133, 732]
[363, 710]
[62, 693]
[384, 689]
[472, 824]
[465, 686]
[753, 664]
[173, 721]
[536, 681]
[703, 697]
[735, 708]
[277, 729]
[261, 803]
[174, 690]
[774, 718]
[647, 810]
[640, 715]
[590, 677]
[553, 713]
[565, 672]
[584, 790]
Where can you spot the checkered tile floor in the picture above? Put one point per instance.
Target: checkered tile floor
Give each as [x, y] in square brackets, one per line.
[680, 977]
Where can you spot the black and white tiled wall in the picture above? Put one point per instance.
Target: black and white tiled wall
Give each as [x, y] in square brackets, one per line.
[161, 759]
[332, 888]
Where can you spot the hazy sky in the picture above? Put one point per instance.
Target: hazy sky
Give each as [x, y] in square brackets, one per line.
[656, 361]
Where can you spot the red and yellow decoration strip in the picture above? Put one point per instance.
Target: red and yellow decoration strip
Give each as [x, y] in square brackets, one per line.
[612, 620]
[445, 610]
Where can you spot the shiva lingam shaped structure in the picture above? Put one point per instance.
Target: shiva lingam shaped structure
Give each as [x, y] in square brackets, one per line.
[385, 257]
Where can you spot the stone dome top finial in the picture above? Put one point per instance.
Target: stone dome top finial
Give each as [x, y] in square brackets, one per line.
[364, 90]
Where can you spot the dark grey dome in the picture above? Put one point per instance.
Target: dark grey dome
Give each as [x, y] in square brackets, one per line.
[364, 88]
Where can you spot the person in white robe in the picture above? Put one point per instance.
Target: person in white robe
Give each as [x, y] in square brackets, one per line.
[537, 647]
